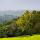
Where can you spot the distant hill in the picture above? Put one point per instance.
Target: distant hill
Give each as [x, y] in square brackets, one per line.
[9, 15]
[12, 12]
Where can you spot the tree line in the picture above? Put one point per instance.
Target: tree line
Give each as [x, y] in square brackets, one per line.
[27, 24]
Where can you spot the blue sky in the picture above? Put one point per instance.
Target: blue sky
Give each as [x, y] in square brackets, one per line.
[19, 4]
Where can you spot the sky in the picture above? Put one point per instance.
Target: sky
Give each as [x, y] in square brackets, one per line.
[19, 4]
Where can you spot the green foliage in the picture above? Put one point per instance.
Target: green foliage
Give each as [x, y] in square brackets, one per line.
[27, 24]
[21, 22]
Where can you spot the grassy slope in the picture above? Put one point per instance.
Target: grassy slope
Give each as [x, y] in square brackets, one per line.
[35, 37]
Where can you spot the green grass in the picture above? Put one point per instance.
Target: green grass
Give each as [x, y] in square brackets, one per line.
[34, 37]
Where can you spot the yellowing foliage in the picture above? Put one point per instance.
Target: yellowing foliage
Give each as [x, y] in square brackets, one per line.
[23, 19]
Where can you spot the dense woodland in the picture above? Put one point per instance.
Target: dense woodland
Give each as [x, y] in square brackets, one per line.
[27, 24]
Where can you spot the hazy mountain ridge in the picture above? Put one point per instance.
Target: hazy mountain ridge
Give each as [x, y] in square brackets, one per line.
[12, 12]
[8, 15]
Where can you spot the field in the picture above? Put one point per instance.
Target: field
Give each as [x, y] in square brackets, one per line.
[34, 37]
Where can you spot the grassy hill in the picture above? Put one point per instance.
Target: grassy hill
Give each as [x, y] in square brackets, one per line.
[27, 24]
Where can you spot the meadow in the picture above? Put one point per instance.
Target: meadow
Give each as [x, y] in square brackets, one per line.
[34, 37]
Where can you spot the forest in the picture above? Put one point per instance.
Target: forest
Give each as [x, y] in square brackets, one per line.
[27, 24]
